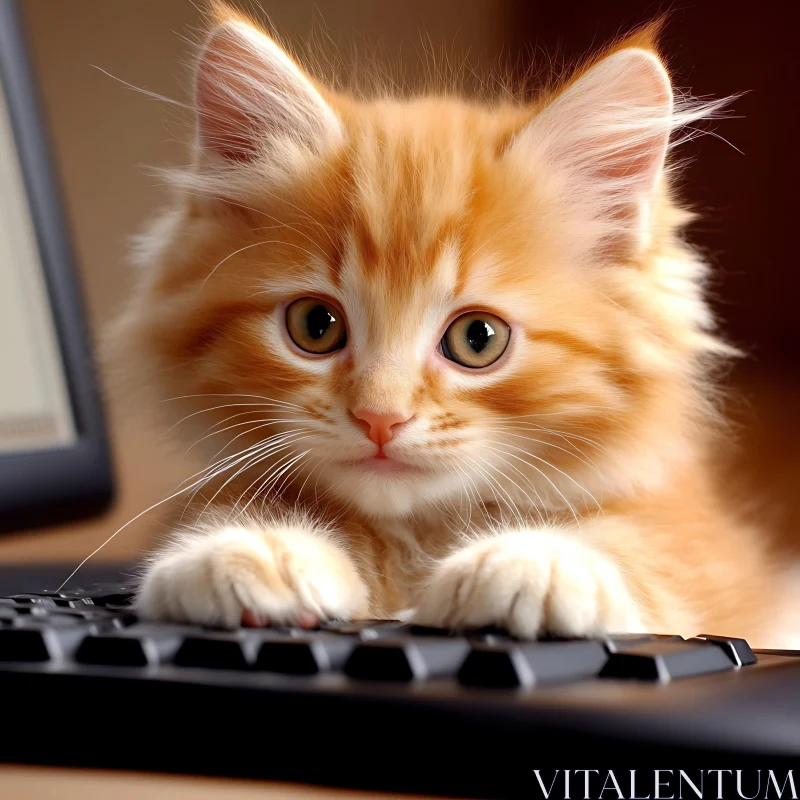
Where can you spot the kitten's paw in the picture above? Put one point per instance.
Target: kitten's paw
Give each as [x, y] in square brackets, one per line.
[532, 583]
[279, 577]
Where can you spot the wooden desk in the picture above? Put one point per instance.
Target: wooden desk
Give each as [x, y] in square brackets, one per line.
[45, 783]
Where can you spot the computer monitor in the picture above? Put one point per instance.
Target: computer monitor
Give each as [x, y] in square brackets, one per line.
[54, 457]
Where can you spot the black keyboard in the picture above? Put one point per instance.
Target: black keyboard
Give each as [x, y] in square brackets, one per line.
[378, 705]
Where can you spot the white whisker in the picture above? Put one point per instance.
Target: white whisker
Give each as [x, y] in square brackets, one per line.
[559, 471]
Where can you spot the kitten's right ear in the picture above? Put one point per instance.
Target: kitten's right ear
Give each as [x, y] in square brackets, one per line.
[248, 91]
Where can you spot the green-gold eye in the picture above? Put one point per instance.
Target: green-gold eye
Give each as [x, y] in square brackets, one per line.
[476, 339]
[316, 326]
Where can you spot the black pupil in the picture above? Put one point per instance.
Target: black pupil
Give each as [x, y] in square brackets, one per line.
[478, 335]
[318, 321]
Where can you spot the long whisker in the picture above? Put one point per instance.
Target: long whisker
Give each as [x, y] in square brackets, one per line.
[547, 463]
[232, 394]
[249, 453]
[564, 412]
[222, 461]
[267, 422]
[255, 407]
[219, 466]
[122, 528]
[558, 491]
[250, 431]
[280, 474]
[568, 437]
[250, 247]
[505, 493]
[260, 456]
[580, 457]
[481, 502]
[473, 496]
[535, 506]
[463, 499]
[261, 476]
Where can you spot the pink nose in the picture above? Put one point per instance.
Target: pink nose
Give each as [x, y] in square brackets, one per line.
[379, 426]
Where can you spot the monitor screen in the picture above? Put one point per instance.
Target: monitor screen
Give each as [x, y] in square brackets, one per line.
[35, 410]
[55, 462]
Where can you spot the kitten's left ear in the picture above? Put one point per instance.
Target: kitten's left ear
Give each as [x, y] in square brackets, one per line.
[607, 134]
[248, 91]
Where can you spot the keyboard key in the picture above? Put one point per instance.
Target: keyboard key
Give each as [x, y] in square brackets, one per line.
[491, 634]
[34, 611]
[100, 618]
[738, 650]
[94, 588]
[624, 641]
[392, 630]
[122, 620]
[305, 655]
[32, 599]
[343, 628]
[403, 660]
[79, 599]
[117, 598]
[127, 650]
[218, 651]
[366, 629]
[33, 642]
[67, 602]
[521, 665]
[666, 660]
[7, 615]
[48, 620]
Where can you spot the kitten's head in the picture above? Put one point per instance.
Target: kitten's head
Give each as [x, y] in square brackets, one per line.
[404, 302]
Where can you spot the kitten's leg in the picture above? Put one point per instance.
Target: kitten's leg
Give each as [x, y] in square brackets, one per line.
[273, 573]
[533, 582]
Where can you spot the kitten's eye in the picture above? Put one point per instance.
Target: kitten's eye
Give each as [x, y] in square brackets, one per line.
[316, 326]
[476, 339]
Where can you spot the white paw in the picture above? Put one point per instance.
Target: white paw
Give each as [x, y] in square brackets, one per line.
[263, 577]
[532, 583]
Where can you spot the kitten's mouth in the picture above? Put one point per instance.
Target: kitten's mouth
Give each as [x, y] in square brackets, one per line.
[385, 465]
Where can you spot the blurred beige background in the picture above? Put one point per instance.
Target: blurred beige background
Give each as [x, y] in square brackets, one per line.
[103, 134]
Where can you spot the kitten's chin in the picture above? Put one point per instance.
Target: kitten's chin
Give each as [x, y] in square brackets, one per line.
[387, 492]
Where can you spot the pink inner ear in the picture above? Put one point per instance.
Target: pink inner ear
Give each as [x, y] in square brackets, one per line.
[223, 81]
[248, 90]
[610, 128]
[644, 90]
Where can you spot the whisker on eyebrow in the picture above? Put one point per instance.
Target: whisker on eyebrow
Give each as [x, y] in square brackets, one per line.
[250, 247]
[280, 224]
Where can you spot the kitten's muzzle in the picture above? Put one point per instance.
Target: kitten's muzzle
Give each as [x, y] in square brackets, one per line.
[380, 428]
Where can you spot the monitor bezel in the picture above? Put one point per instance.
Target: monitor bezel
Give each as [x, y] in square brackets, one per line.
[64, 483]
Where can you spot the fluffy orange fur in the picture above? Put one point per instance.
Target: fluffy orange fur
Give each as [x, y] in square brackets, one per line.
[567, 488]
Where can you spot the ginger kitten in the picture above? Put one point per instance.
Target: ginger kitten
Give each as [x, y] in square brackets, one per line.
[446, 356]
